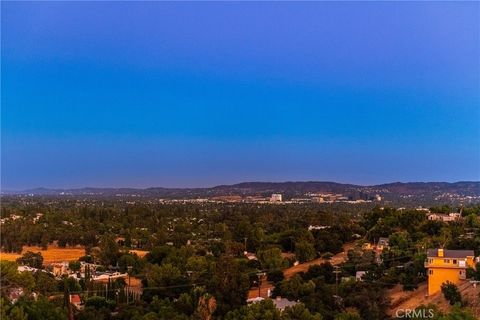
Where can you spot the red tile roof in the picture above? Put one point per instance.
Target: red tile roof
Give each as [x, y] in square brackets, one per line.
[75, 298]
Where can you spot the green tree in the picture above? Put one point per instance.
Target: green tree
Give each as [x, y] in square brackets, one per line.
[165, 310]
[197, 267]
[165, 280]
[275, 276]
[296, 288]
[31, 259]
[451, 293]
[458, 313]
[263, 310]
[271, 259]
[45, 283]
[11, 278]
[368, 298]
[409, 278]
[109, 250]
[299, 312]
[348, 316]
[228, 284]
[304, 251]
[74, 266]
[42, 309]
[476, 273]
[9, 312]
[98, 303]
[324, 270]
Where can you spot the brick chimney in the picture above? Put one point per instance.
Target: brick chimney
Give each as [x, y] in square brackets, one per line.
[440, 252]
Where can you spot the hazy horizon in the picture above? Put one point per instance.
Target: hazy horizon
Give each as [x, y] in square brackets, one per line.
[226, 184]
[201, 94]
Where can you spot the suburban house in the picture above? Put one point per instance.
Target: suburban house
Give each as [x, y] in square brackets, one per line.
[250, 255]
[382, 243]
[359, 275]
[317, 227]
[453, 216]
[76, 301]
[447, 265]
[279, 302]
[59, 269]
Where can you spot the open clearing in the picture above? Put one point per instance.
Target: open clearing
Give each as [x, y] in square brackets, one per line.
[57, 254]
[51, 255]
[140, 253]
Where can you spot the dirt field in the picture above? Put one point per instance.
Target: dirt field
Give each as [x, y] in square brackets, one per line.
[52, 254]
[266, 285]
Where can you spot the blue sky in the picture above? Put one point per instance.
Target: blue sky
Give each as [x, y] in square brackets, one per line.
[199, 94]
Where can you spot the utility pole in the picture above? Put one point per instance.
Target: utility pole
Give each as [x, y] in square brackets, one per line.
[475, 295]
[245, 244]
[259, 275]
[66, 299]
[336, 271]
[129, 271]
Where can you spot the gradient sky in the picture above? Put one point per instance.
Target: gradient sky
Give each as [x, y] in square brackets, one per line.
[198, 94]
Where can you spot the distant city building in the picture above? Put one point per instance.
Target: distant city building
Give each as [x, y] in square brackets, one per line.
[447, 265]
[276, 197]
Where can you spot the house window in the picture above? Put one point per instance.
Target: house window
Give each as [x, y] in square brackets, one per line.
[430, 271]
[454, 261]
[446, 260]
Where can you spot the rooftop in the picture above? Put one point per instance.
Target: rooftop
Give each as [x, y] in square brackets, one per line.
[451, 253]
[282, 303]
[75, 298]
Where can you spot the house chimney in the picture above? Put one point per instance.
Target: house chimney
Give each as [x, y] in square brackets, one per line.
[440, 252]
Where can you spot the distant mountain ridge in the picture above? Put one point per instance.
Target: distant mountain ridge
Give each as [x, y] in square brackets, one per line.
[423, 190]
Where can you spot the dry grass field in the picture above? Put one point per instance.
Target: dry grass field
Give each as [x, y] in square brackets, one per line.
[140, 253]
[51, 255]
[56, 254]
